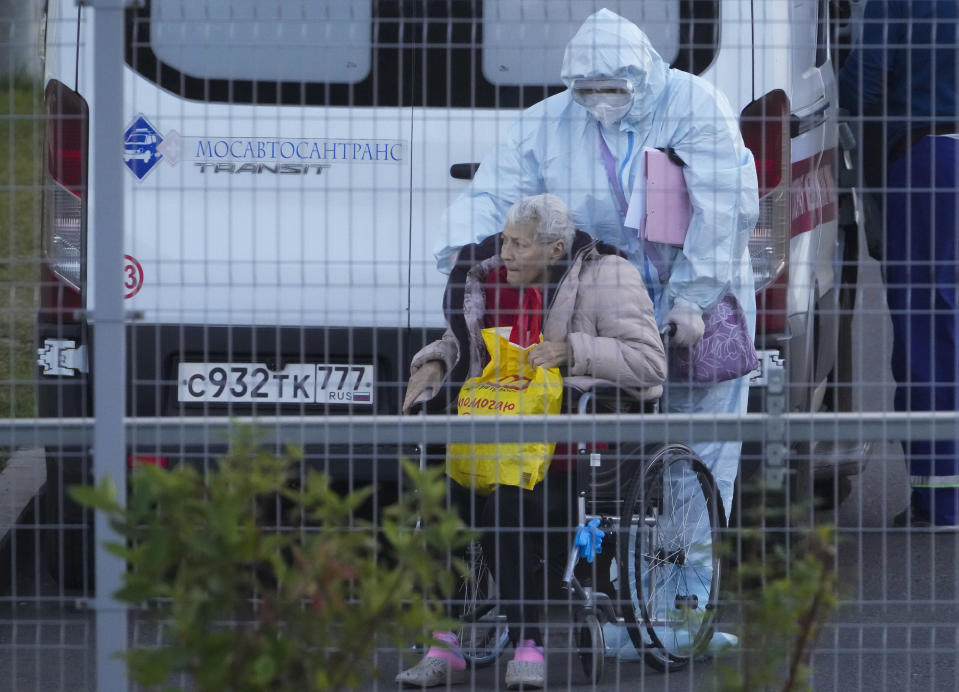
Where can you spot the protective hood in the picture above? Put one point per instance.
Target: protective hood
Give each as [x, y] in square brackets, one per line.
[608, 45]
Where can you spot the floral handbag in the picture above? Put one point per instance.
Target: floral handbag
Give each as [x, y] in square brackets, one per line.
[725, 352]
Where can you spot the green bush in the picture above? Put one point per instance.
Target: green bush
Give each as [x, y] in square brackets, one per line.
[786, 596]
[252, 608]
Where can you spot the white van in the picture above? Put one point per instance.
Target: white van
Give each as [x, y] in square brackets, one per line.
[289, 162]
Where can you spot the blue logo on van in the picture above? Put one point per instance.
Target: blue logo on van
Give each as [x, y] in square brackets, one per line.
[140, 147]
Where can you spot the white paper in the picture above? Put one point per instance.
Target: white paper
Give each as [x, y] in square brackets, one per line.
[636, 211]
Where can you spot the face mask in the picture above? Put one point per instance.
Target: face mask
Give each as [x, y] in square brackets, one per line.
[608, 114]
[607, 100]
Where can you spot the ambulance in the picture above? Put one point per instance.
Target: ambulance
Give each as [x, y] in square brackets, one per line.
[286, 167]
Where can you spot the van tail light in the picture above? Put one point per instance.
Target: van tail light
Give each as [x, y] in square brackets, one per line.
[765, 129]
[64, 221]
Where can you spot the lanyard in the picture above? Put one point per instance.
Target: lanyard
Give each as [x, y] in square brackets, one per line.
[629, 153]
[609, 163]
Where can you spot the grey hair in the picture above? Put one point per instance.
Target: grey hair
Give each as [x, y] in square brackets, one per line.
[547, 214]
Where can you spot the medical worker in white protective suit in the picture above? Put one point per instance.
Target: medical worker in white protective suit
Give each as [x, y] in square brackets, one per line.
[621, 89]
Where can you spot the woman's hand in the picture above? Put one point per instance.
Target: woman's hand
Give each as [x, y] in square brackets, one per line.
[549, 354]
[424, 383]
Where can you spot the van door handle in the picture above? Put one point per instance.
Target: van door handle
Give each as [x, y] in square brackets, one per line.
[808, 119]
[463, 171]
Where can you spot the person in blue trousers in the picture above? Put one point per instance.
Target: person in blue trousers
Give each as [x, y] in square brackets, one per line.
[903, 75]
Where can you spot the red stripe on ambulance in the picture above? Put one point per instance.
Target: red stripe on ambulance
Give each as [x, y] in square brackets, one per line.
[812, 192]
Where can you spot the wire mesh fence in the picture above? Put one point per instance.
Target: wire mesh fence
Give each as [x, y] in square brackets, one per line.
[430, 251]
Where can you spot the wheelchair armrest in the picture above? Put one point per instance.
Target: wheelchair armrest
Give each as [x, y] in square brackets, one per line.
[589, 395]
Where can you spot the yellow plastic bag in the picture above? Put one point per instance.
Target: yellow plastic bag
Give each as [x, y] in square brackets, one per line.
[507, 387]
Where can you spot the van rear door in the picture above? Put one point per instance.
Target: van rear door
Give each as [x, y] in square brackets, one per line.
[268, 204]
[277, 192]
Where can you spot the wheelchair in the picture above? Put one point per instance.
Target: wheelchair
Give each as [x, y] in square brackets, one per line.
[662, 516]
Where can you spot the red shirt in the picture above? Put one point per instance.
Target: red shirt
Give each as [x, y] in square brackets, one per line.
[505, 308]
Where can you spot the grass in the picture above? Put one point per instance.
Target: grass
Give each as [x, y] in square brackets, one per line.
[21, 161]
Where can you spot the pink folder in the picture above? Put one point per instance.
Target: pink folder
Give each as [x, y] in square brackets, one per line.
[668, 209]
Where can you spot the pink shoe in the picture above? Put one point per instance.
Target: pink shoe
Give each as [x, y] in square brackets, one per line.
[527, 670]
[430, 672]
[442, 665]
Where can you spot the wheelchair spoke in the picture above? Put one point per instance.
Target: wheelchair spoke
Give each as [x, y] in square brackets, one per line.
[670, 566]
[483, 632]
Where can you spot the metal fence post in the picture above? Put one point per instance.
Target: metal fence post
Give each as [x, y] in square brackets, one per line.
[109, 354]
[774, 473]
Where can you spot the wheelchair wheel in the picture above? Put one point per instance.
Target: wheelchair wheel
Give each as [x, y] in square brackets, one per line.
[591, 644]
[483, 632]
[669, 557]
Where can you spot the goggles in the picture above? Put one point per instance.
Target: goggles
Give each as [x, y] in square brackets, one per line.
[613, 92]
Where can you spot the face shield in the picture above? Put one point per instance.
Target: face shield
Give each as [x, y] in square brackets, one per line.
[607, 100]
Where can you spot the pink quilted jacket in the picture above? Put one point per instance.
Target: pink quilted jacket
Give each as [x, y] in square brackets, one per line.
[600, 307]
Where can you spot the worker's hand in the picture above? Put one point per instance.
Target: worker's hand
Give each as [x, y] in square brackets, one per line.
[424, 384]
[688, 319]
[549, 354]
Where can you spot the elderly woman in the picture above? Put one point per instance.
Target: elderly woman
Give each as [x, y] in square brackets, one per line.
[597, 324]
